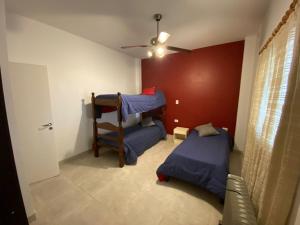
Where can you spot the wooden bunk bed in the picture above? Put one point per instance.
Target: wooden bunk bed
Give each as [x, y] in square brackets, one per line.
[118, 140]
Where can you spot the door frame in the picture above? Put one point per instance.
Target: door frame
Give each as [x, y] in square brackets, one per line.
[12, 209]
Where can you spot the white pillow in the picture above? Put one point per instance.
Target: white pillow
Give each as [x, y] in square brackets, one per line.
[147, 122]
[206, 130]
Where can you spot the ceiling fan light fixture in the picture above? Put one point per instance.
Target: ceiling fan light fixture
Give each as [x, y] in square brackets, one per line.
[160, 51]
[150, 54]
[163, 37]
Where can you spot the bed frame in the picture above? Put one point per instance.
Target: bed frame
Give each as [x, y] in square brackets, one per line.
[158, 113]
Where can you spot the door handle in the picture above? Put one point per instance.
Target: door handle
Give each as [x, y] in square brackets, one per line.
[47, 125]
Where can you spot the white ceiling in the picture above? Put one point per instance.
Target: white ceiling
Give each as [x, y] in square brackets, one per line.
[113, 23]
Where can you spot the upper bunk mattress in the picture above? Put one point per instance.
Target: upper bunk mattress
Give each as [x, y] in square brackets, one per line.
[136, 103]
[202, 161]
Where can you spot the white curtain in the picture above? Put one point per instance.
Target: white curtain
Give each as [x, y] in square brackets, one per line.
[271, 166]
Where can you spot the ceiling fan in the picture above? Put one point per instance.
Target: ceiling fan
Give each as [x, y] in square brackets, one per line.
[157, 44]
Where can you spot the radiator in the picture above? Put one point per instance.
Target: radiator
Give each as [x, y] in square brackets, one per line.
[238, 209]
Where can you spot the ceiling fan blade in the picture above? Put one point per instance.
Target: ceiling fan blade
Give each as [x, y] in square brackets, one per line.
[172, 48]
[135, 46]
[163, 37]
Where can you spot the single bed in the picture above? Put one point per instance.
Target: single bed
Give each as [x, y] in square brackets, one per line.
[137, 139]
[202, 161]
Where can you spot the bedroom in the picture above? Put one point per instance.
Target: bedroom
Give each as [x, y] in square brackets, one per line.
[75, 48]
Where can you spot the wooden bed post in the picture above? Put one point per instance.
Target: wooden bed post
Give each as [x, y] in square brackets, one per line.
[121, 132]
[95, 146]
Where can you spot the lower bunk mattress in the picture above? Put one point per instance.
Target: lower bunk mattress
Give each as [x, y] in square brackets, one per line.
[203, 161]
[138, 139]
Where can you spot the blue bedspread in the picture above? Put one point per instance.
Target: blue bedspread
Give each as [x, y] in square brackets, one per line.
[138, 139]
[202, 161]
[136, 103]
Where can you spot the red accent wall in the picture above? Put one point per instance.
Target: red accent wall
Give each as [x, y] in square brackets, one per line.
[206, 82]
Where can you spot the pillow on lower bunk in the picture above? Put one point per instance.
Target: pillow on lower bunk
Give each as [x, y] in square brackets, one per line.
[206, 130]
[147, 122]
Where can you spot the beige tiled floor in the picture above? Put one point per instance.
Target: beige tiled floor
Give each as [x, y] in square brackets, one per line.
[94, 191]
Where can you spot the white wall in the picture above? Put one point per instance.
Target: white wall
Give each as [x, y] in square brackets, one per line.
[138, 79]
[247, 79]
[10, 114]
[76, 67]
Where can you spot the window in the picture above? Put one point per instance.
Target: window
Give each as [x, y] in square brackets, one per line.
[274, 90]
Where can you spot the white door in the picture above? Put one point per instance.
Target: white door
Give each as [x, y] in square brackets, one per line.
[34, 120]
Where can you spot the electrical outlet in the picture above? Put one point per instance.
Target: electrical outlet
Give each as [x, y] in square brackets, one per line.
[176, 120]
[177, 102]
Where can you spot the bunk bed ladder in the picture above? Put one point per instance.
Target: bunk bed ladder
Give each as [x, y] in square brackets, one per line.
[108, 126]
[95, 129]
[121, 132]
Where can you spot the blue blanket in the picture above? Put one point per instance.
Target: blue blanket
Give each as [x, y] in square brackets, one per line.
[138, 139]
[202, 161]
[136, 103]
